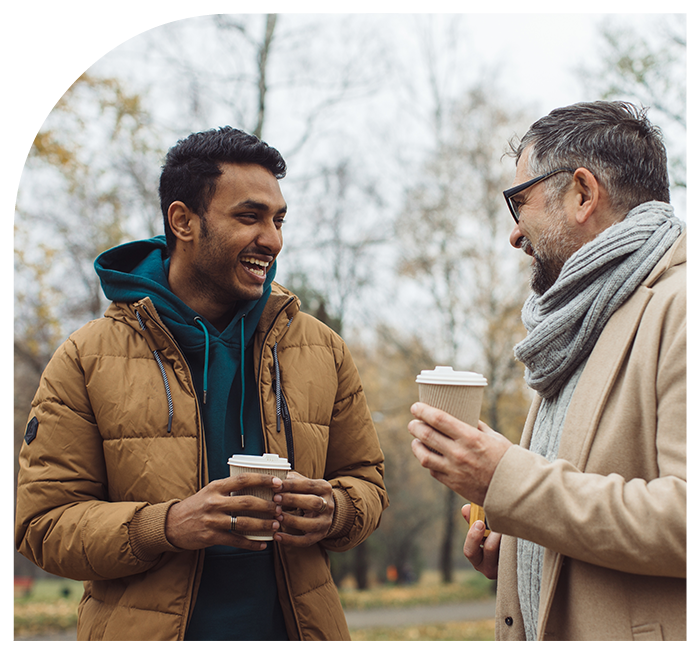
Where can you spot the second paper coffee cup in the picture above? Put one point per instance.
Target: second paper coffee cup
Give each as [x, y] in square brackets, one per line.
[458, 393]
[268, 463]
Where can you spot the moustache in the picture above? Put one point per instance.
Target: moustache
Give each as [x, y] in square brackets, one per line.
[526, 246]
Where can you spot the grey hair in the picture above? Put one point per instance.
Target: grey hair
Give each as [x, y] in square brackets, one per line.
[613, 140]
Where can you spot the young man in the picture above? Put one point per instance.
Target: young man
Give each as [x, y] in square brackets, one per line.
[124, 481]
[592, 505]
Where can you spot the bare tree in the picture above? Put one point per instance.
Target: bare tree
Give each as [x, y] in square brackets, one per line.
[650, 71]
[454, 242]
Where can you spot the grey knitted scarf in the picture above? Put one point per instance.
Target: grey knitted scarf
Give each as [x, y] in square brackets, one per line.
[563, 326]
[565, 322]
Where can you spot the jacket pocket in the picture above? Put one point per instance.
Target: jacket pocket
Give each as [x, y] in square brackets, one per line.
[647, 632]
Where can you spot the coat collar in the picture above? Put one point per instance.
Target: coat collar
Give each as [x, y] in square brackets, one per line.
[281, 301]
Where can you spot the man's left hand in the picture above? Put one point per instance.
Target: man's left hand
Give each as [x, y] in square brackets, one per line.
[466, 457]
[314, 498]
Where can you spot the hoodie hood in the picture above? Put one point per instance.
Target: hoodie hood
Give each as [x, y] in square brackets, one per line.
[132, 271]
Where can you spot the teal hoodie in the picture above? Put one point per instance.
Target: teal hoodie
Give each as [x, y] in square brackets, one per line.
[222, 370]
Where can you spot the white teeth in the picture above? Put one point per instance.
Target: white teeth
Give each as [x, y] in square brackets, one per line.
[259, 267]
[259, 263]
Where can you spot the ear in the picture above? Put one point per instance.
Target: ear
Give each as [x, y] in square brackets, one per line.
[181, 221]
[587, 195]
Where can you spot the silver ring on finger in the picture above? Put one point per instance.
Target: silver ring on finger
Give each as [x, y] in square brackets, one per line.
[325, 505]
[234, 521]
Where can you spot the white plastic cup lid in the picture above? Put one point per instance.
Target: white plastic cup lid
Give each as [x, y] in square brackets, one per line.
[448, 376]
[265, 461]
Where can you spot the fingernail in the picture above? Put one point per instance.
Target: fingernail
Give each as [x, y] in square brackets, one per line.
[276, 481]
[277, 498]
[479, 525]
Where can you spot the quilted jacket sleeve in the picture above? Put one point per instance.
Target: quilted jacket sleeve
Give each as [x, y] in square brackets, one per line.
[355, 462]
[64, 522]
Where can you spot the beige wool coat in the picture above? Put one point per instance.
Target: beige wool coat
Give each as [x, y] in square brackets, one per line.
[611, 509]
[102, 470]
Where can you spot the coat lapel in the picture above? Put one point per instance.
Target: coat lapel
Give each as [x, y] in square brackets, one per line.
[585, 410]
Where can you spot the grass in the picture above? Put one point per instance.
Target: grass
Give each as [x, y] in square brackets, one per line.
[429, 591]
[52, 605]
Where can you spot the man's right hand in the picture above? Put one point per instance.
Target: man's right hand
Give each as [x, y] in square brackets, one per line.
[484, 557]
[204, 519]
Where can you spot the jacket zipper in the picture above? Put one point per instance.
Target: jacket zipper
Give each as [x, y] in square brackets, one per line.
[287, 421]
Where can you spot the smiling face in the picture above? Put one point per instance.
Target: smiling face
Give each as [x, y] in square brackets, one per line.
[223, 257]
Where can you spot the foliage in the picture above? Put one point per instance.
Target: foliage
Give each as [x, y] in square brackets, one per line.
[45, 617]
[85, 189]
[50, 607]
[649, 71]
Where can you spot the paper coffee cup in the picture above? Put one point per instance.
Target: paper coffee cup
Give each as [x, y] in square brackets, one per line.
[458, 393]
[268, 463]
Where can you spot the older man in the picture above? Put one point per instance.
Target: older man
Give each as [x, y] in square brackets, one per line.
[589, 511]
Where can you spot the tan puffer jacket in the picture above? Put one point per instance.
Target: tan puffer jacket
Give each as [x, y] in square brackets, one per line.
[99, 470]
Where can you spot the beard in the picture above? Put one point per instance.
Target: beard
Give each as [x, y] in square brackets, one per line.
[554, 247]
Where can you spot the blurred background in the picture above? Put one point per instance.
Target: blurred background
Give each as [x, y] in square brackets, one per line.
[394, 128]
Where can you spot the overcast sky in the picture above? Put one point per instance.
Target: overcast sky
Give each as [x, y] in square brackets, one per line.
[47, 45]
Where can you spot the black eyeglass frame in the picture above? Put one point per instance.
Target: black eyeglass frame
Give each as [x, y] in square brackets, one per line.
[509, 193]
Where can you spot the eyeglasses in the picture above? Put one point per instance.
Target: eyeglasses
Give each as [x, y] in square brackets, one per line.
[514, 205]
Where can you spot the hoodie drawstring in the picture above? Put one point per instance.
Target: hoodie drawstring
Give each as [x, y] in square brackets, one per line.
[206, 358]
[163, 373]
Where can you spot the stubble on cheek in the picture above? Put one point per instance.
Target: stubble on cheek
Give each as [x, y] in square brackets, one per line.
[554, 247]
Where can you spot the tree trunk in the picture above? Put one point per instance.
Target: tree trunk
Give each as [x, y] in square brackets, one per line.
[263, 55]
[446, 564]
[361, 566]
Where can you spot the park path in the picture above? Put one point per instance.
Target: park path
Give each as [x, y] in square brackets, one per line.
[468, 611]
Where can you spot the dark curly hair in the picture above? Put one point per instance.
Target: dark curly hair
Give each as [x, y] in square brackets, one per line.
[191, 167]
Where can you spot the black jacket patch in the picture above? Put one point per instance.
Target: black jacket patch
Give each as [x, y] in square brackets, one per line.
[32, 428]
